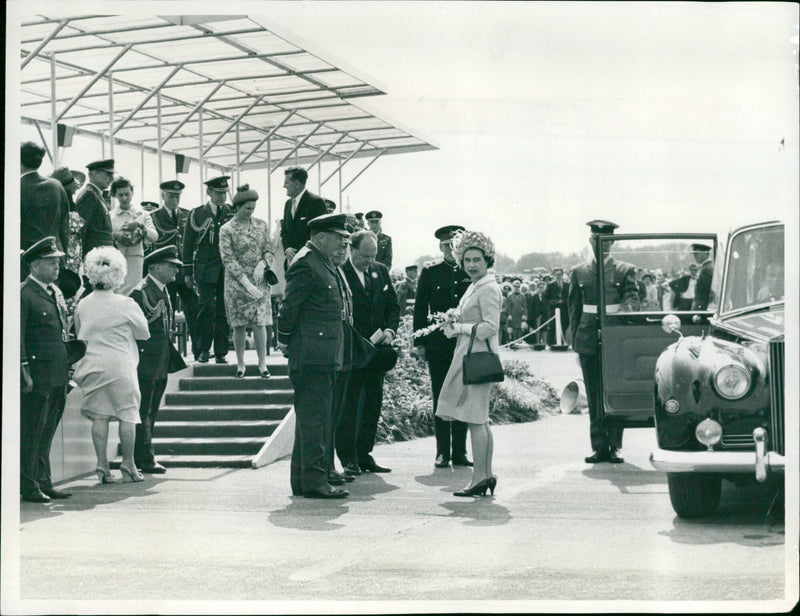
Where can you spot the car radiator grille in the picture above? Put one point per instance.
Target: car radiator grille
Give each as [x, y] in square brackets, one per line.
[738, 440]
[776, 394]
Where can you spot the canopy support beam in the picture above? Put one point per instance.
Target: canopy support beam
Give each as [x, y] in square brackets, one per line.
[368, 165]
[344, 162]
[192, 112]
[43, 44]
[296, 148]
[232, 124]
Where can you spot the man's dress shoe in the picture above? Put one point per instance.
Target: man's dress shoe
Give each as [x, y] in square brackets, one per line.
[373, 467]
[441, 462]
[203, 357]
[53, 493]
[35, 497]
[352, 469]
[153, 469]
[461, 461]
[323, 493]
[614, 458]
[601, 455]
[220, 359]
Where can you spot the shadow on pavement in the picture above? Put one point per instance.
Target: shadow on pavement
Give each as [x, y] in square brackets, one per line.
[452, 478]
[481, 511]
[367, 486]
[309, 514]
[85, 497]
[747, 506]
[626, 476]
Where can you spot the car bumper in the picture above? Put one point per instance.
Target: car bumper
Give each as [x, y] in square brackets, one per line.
[760, 462]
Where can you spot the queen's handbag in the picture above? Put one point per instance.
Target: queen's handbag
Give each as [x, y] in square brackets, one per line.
[481, 366]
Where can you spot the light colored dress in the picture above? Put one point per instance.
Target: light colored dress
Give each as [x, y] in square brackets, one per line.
[480, 304]
[241, 246]
[134, 254]
[110, 324]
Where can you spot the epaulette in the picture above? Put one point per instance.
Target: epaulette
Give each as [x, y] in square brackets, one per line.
[433, 262]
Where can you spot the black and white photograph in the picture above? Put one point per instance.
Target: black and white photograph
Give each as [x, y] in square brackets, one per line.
[396, 307]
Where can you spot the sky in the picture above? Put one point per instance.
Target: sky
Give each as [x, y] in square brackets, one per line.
[659, 116]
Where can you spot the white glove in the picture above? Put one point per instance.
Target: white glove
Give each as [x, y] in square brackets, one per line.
[252, 289]
[258, 273]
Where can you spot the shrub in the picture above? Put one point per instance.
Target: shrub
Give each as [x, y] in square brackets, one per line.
[407, 411]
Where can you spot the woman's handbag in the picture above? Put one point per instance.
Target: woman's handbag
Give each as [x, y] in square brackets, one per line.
[481, 366]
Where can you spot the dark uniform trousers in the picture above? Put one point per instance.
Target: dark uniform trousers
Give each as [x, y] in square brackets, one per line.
[355, 435]
[438, 365]
[152, 390]
[188, 305]
[602, 435]
[212, 320]
[41, 410]
[313, 395]
[340, 392]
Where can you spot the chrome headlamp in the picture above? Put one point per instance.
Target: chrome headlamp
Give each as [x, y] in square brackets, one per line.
[732, 381]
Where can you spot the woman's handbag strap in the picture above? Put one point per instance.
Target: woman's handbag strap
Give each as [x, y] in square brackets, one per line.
[472, 339]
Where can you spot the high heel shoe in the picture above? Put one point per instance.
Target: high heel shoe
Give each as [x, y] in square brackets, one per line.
[264, 373]
[130, 475]
[104, 475]
[479, 489]
[492, 484]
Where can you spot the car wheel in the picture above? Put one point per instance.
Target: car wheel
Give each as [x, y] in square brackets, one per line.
[694, 495]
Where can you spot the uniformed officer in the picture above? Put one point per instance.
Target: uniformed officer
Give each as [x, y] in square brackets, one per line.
[374, 219]
[620, 292]
[407, 290]
[170, 222]
[311, 333]
[93, 208]
[441, 285]
[702, 289]
[157, 355]
[202, 266]
[44, 369]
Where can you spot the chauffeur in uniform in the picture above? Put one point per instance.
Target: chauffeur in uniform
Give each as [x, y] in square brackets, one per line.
[440, 287]
[93, 208]
[170, 222]
[311, 332]
[203, 267]
[584, 327]
[157, 356]
[702, 289]
[44, 369]
[374, 219]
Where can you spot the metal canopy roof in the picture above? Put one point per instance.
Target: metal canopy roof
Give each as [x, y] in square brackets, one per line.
[195, 85]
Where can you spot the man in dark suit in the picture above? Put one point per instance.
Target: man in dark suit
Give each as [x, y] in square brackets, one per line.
[300, 207]
[374, 221]
[684, 288]
[556, 294]
[44, 205]
[93, 208]
[202, 266]
[441, 285]
[157, 356]
[376, 316]
[620, 294]
[702, 291]
[44, 369]
[170, 222]
[311, 333]
[539, 312]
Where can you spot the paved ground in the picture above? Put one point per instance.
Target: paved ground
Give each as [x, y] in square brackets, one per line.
[556, 531]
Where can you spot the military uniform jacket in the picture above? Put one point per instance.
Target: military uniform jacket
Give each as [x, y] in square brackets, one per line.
[155, 353]
[702, 290]
[201, 256]
[43, 322]
[93, 210]
[170, 228]
[620, 295]
[440, 287]
[384, 254]
[374, 307]
[294, 230]
[44, 210]
[313, 312]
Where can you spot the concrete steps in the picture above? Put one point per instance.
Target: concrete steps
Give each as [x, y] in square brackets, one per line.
[217, 420]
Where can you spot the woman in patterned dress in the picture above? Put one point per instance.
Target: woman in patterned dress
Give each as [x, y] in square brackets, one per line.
[247, 255]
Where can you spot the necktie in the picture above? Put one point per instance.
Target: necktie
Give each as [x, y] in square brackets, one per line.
[168, 304]
[175, 217]
[294, 206]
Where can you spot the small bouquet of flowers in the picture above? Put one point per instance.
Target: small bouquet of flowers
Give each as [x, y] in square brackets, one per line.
[131, 233]
[439, 320]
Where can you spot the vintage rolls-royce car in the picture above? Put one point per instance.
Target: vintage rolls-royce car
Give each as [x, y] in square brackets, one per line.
[719, 395]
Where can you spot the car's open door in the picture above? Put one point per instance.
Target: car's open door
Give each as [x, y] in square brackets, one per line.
[631, 336]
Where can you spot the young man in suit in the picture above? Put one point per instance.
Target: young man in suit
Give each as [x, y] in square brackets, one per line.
[93, 208]
[375, 307]
[301, 207]
[441, 285]
[556, 294]
[203, 269]
[311, 333]
[170, 222]
[157, 356]
[44, 369]
[44, 204]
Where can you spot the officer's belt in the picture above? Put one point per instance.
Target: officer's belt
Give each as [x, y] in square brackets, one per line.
[592, 308]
